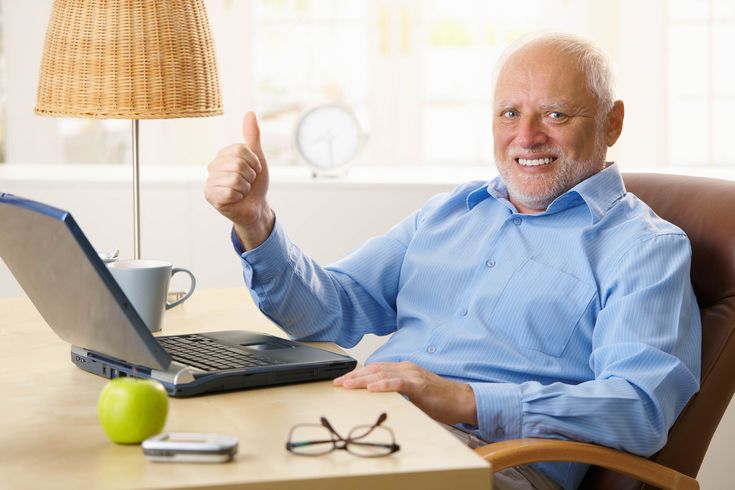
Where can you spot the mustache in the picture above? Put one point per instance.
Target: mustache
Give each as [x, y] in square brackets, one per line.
[514, 152]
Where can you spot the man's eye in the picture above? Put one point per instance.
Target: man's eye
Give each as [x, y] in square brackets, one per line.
[510, 114]
[557, 115]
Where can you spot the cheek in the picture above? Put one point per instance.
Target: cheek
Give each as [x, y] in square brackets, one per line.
[577, 144]
[502, 138]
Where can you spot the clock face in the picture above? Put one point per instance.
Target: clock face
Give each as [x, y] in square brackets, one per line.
[328, 137]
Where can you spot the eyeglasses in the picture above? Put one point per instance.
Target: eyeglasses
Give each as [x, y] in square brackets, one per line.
[368, 441]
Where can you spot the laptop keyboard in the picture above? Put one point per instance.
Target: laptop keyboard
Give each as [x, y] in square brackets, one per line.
[209, 355]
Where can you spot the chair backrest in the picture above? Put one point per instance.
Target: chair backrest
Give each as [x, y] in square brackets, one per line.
[705, 209]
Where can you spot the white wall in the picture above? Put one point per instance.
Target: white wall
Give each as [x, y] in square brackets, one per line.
[628, 29]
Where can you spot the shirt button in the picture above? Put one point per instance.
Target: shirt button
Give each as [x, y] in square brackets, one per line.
[517, 221]
[490, 263]
[431, 349]
[463, 312]
[499, 432]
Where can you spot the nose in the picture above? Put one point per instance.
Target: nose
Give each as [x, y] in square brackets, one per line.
[531, 132]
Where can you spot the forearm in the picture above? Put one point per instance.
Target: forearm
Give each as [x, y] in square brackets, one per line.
[316, 303]
[310, 303]
[612, 412]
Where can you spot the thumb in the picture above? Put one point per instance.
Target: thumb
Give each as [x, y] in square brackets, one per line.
[251, 135]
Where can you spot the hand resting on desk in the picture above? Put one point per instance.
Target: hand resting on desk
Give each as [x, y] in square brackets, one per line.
[425, 389]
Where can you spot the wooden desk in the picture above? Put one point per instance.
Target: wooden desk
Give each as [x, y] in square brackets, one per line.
[50, 437]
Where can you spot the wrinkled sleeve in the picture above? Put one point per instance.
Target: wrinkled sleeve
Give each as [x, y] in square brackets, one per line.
[646, 350]
[339, 303]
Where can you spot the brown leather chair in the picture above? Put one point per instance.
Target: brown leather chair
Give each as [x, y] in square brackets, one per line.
[705, 210]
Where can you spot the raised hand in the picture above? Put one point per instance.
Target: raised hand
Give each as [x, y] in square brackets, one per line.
[237, 186]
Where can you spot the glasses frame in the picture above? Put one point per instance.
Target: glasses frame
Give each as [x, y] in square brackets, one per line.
[339, 442]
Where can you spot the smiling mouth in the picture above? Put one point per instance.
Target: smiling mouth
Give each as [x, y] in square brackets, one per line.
[535, 162]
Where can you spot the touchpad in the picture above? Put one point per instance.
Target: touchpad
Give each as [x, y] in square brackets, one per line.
[269, 345]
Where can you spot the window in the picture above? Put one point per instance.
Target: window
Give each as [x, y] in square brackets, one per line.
[418, 73]
[2, 91]
[306, 52]
[701, 82]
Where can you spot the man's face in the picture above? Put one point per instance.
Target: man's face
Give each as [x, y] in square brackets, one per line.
[547, 131]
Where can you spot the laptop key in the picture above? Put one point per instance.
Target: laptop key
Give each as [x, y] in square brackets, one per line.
[207, 354]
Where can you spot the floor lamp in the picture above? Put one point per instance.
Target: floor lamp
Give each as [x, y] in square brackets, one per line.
[129, 59]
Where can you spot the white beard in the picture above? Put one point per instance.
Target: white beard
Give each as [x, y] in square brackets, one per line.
[549, 186]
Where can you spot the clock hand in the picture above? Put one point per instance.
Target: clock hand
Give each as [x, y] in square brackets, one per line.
[328, 137]
[330, 145]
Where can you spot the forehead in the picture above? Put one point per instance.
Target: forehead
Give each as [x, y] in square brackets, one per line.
[545, 76]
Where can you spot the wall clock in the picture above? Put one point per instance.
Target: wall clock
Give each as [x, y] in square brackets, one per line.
[329, 138]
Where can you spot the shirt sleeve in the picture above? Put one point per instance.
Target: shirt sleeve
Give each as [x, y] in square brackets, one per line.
[339, 303]
[646, 350]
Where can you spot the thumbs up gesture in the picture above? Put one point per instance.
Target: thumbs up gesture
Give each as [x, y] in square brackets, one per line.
[238, 183]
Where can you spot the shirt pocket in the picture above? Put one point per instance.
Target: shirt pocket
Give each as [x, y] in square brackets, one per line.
[541, 306]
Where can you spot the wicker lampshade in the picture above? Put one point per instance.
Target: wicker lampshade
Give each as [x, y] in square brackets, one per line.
[129, 59]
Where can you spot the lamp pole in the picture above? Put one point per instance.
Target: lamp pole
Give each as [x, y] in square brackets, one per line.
[136, 194]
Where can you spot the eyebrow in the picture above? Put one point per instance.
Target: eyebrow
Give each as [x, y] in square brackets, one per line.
[506, 104]
[554, 106]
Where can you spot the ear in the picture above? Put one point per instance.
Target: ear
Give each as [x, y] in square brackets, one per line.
[615, 122]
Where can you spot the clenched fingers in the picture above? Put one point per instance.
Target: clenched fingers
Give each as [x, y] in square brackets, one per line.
[236, 158]
[226, 191]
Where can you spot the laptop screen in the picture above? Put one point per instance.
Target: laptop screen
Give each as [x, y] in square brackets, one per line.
[69, 284]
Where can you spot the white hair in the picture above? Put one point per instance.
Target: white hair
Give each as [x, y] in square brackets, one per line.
[593, 61]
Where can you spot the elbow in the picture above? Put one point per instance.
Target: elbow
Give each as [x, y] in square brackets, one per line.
[650, 433]
[648, 443]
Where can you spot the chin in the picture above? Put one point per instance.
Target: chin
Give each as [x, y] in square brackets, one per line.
[533, 191]
[537, 203]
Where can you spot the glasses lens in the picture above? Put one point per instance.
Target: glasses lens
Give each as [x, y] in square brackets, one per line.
[310, 440]
[371, 441]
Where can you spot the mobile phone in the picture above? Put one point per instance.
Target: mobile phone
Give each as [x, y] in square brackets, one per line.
[190, 447]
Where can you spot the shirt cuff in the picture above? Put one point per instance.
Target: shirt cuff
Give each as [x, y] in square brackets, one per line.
[267, 259]
[499, 411]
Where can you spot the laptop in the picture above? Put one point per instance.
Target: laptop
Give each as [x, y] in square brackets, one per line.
[70, 286]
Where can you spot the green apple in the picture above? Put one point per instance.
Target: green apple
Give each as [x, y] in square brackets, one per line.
[131, 410]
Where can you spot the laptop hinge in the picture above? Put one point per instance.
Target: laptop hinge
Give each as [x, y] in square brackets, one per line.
[176, 374]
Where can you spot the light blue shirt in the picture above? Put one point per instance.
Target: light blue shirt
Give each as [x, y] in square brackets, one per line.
[575, 323]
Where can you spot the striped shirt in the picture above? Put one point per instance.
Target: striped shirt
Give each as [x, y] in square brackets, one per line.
[575, 323]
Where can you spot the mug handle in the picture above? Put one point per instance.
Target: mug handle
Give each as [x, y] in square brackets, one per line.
[188, 293]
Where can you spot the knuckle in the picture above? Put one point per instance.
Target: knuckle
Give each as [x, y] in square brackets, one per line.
[237, 149]
[230, 194]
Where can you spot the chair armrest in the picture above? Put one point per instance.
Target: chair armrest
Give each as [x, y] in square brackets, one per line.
[502, 455]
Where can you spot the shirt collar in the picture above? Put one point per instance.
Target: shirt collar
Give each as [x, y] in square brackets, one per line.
[599, 192]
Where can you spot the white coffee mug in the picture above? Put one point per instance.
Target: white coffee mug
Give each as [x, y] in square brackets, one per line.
[145, 283]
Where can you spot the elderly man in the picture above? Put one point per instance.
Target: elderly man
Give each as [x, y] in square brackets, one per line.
[547, 302]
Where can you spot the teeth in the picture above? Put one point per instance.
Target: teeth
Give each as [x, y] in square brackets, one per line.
[533, 163]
